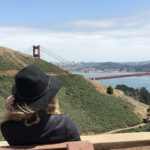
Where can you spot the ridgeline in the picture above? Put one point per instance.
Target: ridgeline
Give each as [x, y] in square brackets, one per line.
[92, 111]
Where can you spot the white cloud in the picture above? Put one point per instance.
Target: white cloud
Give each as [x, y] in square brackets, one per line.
[111, 39]
[93, 23]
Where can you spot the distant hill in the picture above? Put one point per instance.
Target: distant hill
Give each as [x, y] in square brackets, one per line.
[108, 66]
[92, 111]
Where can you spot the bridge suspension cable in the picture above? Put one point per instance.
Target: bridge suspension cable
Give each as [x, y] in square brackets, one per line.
[28, 51]
[48, 52]
[51, 55]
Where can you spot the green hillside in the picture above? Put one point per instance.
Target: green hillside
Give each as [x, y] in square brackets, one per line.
[91, 111]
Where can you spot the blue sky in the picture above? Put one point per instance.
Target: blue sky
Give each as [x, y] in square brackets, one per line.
[33, 12]
[79, 30]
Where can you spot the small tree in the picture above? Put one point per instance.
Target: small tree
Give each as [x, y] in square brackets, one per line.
[110, 90]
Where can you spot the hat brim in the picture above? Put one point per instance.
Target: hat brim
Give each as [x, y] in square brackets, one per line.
[42, 101]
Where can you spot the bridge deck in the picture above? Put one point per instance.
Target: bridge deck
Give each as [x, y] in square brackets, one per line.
[121, 76]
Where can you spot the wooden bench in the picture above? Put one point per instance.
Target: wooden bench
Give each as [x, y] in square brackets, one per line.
[80, 145]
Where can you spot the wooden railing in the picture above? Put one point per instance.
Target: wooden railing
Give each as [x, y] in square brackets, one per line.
[129, 141]
[81, 145]
[126, 141]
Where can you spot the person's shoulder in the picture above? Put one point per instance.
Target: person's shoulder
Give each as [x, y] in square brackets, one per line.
[59, 116]
[71, 129]
[64, 119]
[54, 117]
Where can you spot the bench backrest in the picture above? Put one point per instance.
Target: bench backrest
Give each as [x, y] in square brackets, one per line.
[80, 145]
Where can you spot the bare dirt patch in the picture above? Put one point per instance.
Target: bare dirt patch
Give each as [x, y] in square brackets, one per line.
[8, 72]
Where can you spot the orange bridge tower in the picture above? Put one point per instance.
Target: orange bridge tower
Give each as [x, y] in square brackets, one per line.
[36, 51]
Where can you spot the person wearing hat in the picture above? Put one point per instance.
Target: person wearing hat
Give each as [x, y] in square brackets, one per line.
[33, 115]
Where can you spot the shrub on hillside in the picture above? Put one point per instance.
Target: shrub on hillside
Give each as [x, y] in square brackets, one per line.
[110, 90]
[141, 94]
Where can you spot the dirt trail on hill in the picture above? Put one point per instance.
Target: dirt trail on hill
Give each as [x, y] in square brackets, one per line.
[140, 108]
[8, 72]
[14, 72]
[121, 129]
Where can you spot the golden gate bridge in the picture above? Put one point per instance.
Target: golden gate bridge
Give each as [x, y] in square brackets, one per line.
[36, 52]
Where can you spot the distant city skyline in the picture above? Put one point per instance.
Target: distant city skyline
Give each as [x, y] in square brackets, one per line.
[79, 30]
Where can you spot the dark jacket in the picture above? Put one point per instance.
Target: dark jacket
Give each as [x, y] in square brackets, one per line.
[50, 129]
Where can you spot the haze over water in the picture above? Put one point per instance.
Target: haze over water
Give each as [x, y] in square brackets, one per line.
[135, 82]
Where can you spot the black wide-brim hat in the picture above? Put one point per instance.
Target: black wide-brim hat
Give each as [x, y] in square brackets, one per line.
[34, 88]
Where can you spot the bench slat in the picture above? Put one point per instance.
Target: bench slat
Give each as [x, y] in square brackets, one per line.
[80, 145]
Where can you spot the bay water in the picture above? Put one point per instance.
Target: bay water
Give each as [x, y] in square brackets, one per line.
[135, 82]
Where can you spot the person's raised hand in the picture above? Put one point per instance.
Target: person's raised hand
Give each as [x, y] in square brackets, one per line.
[9, 102]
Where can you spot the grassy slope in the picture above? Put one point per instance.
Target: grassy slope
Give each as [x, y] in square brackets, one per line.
[92, 111]
[140, 108]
